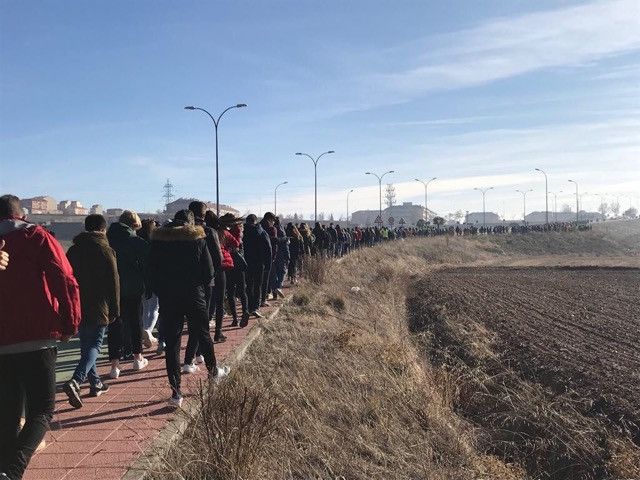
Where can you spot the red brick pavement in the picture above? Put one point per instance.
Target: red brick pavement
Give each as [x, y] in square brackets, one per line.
[103, 438]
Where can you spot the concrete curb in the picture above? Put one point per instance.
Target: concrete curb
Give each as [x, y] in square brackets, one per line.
[174, 429]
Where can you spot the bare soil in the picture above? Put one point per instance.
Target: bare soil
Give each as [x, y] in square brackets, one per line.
[574, 331]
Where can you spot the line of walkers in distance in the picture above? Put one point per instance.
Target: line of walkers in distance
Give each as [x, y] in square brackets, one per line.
[124, 282]
[506, 229]
[131, 279]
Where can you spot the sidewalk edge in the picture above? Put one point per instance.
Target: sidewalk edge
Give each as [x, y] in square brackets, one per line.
[176, 427]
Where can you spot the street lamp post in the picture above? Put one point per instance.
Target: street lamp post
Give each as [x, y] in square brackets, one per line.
[484, 210]
[216, 122]
[275, 197]
[380, 177]
[348, 193]
[426, 187]
[555, 205]
[315, 179]
[546, 195]
[577, 203]
[524, 205]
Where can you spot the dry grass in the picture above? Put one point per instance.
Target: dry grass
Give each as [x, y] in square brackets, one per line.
[336, 387]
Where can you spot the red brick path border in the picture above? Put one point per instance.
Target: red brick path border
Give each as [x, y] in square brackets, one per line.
[109, 433]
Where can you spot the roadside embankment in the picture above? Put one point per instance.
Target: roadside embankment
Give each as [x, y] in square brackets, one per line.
[337, 386]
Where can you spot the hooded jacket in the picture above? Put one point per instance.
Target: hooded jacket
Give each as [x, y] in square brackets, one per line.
[213, 242]
[257, 246]
[226, 246]
[94, 266]
[39, 296]
[179, 260]
[131, 253]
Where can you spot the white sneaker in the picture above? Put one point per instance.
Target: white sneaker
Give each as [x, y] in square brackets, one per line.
[140, 364]
[190, 368]
[200, 359]
[175, 401]
[114, 373]
[222, 372]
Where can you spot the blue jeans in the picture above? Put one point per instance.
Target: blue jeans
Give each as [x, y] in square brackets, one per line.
[90, 343]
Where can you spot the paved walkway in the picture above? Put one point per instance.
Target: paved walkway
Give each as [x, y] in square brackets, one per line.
[103, 438]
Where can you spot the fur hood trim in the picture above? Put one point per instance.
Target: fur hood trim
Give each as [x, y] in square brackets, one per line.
[183, 233]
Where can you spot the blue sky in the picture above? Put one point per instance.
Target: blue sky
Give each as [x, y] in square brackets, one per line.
[474, 93]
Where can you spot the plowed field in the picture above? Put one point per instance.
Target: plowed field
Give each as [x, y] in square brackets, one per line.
[568, 328]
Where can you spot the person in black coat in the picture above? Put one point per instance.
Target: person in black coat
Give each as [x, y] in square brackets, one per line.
[199, 210]
[257, 254]
[268, 225]
[179, 272]
[125, 333]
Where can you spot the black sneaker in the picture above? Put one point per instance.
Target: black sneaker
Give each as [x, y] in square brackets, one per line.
[99, 390]
[219, 338]
[72, 389]
[245, 320]
[234, 323]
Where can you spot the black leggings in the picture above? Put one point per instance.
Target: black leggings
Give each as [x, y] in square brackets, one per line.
[29, 385]
[174, 309]
[236, 288]
[129, 323]
[254, 287]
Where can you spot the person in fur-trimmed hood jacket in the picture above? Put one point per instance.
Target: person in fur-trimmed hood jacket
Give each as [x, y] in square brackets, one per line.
[179, 270]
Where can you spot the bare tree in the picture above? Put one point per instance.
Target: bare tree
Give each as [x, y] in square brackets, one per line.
[603, 208]
[615, 208]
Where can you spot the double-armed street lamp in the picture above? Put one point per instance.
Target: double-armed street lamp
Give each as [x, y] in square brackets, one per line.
[216, 122]
[275, 197]
[524, 204]
[315, 179]
[577, 203]
[546, 195]
[484, 210]
[380, 177]
[348, 193]
[426, 187]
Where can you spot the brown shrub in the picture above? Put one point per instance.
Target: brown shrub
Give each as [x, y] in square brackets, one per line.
[315, 269]
[227, 436]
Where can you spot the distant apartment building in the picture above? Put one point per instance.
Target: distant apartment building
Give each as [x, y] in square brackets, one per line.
[96, 210]
[478, 218]
[540, 217]
[72, 207]
[183, 204]
[35, 205]
[405, 214]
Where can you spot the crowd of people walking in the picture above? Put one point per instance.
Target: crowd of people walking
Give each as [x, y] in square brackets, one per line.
[135, 283]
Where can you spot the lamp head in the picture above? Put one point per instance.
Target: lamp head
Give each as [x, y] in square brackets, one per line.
[284, 182]
[331, 151]
[367, 173]
[190, 107]
[241, 105]
[298, 153]
[434, 178]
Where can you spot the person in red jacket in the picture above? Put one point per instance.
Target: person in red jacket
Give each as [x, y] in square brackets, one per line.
[39, 305]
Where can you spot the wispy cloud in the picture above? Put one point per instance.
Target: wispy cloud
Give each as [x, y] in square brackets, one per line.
[508, 47]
